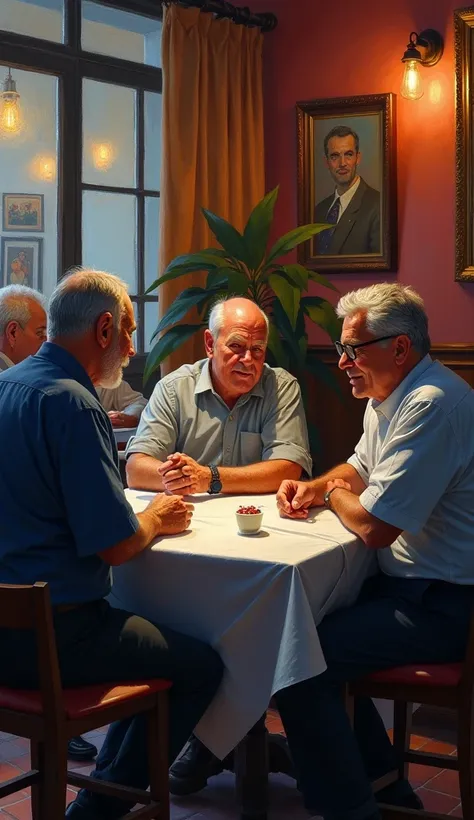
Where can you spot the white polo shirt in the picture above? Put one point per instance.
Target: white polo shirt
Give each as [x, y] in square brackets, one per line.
[416, 456]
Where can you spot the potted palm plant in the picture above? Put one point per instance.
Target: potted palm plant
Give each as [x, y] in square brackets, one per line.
[243, 265]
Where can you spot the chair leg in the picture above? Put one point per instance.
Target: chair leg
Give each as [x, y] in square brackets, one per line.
[158, 754]
[36, 788]
[402, 723]
[466, 755]
[53, 755]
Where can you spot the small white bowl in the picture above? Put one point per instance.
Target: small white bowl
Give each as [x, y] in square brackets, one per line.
[249, 523]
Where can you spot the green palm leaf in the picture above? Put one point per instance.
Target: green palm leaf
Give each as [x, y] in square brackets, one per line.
[171, 340]
[290, 240]
[191, 297]
[258, 227]
[231, 240]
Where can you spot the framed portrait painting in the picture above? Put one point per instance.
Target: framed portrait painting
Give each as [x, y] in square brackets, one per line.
[23, 212]
[22, 261]
[347, 180]
[464, 169]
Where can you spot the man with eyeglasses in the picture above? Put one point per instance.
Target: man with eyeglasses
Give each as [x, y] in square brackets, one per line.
[408, 493]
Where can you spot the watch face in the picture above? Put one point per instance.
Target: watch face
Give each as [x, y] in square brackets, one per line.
[216, 486]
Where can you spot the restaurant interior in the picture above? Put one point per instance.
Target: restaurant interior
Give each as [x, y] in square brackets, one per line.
[121, 120]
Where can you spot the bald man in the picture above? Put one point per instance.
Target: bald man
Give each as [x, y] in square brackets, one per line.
[22, 324]
[225, 423]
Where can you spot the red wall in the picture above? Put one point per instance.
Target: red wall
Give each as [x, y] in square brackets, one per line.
[329, 49]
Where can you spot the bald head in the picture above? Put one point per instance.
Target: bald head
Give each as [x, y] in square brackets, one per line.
[237, 309]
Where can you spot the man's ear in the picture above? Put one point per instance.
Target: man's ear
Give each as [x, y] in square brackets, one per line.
[402, 349]
[208, 343]
[104, 330]
[11, 333]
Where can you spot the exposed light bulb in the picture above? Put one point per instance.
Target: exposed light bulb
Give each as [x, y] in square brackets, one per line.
[412, 84]
[11, 118]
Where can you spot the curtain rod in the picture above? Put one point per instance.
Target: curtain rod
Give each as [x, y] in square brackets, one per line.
[238, 14]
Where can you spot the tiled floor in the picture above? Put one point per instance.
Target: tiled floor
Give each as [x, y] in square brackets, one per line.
[439, 789]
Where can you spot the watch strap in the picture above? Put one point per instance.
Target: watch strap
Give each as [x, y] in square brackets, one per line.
[327, 497]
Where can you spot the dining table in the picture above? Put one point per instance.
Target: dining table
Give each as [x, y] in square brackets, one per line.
[257, 599]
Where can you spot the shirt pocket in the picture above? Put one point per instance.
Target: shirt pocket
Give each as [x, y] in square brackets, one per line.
[250, 448]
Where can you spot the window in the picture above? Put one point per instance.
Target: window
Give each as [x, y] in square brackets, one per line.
[89, 79]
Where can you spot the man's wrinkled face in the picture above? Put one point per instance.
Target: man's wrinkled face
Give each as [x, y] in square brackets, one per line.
[373, 374]
[117, 355]
[28, 340]
[342, 160]
[238, 353]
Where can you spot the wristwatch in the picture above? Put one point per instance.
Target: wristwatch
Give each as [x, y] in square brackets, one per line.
[216, 484]
[327, 497]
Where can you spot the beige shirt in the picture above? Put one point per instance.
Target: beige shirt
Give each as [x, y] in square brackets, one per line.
[122, 399]
[185, 414]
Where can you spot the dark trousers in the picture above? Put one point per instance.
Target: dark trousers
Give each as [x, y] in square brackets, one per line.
[394, 622]
[97, 643]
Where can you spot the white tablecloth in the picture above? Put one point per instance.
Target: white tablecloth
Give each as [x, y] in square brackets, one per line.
[256, 599]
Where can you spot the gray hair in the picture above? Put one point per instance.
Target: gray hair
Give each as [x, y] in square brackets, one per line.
[15, 305]
[80, 298]
[391, 310]
[216, 316]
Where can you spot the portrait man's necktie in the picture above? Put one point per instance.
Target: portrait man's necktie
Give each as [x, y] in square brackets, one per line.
[324, 238]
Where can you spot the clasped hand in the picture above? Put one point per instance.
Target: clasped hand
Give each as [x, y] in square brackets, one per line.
[182, 475]
[294, 498]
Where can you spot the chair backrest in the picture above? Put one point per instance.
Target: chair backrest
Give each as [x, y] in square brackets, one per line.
[29, 607]
[467, 679]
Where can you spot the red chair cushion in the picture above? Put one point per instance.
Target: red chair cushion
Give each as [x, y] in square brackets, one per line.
[443, 674]
[84, 701]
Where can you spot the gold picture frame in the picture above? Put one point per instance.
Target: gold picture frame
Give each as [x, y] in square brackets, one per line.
[464, 63]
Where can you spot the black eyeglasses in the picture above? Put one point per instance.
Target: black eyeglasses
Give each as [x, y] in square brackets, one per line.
[350, 350]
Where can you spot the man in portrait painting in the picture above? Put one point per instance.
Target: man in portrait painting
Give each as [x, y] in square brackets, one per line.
[354, 207]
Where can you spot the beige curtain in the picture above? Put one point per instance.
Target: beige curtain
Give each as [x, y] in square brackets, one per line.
[213, 153]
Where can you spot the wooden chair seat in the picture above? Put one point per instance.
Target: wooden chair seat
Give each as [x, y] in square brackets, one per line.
[79, 703]
[449, 685]
[51, 715]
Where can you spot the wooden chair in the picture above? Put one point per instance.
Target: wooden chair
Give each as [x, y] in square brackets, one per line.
[52, 715]
[448, 685]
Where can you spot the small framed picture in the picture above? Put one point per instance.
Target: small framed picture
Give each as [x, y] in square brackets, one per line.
[347, 180]
[23, 212]
[22, 261]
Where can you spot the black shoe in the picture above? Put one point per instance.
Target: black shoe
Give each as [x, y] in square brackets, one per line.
[190, 772]
[400, 794]
[80, 749]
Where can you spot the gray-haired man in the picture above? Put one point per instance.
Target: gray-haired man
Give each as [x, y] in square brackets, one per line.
[22, 332]
[408, 493]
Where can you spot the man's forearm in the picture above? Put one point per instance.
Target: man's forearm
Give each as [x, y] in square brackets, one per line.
[345, 471]
[142, 473]
[149, 528]
[375, 533]
[263, 477]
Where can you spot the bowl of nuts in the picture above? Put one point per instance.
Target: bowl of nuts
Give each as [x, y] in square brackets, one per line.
[249, 519]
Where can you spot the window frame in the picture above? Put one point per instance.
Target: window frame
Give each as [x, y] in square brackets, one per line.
[71, 64]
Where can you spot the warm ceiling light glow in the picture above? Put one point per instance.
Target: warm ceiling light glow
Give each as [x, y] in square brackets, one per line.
[11, 118]
[103, 155]
[412, 85]
[43, 167]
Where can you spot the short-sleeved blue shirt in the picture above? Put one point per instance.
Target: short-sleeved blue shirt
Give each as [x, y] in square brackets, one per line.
[61, 496]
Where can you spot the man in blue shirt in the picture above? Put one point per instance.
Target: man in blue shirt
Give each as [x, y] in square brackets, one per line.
[65, 520]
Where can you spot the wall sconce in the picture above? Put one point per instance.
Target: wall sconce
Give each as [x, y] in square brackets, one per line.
[424, 49]
[11, 118]
[103, 155]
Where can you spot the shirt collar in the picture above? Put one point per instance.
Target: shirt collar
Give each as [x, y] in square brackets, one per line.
[347, 195]
[66, 361]
[204, 383]
[389, 406]
[7, 361]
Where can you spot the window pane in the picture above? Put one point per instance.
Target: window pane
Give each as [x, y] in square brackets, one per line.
[36, 18]
[108, 128]
[109, 231]
[152, 238]
[151, 323]
[121, 34]
[153, 113]
[28, 183]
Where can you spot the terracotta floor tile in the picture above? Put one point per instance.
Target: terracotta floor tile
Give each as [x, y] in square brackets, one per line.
[7, 771]
[419, 774]
[21, 810]
[439, 747]
[13, 798]
[10, 749]
[23, 762]
[457, 811]
[434, 801]
[417, 741]
[447, 782]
